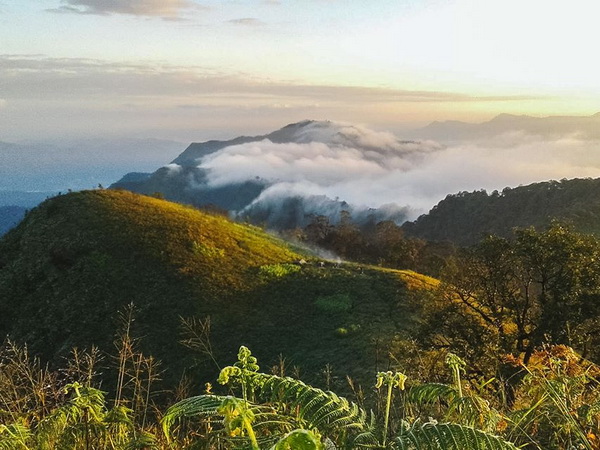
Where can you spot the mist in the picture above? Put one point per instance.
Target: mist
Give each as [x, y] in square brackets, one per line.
[370, 169]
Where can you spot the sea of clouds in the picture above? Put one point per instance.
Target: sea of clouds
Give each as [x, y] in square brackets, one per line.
[373, 169]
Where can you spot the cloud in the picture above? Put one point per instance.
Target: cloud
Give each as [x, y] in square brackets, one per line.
[247, 22]
[170, 9]
[77, 94]
[2, 103]
[38, 76]
[319, 161]
[371, 169]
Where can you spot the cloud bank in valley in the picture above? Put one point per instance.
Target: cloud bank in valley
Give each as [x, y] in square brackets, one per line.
[370, 169]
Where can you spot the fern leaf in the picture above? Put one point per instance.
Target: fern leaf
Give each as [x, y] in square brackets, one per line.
[201, 405]
[447, 436]
[14, 437]
[316, 408]
[431, 393]
[298, 440]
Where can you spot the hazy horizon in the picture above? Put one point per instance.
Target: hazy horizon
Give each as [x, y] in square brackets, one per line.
[192, 70]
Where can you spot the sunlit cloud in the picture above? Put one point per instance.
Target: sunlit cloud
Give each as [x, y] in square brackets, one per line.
[76, 93]
[155, 8]
[71, 76]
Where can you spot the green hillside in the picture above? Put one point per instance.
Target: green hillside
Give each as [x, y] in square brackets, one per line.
[465, 217]
[78, 259]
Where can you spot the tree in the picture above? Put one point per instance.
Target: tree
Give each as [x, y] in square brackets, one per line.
[539, 287]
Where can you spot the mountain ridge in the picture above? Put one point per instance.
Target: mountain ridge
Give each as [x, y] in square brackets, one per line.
[456, 130]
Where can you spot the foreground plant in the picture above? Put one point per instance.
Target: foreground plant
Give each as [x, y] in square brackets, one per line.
[286, 413]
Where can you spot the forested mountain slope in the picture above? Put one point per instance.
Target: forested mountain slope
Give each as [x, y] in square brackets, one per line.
[465, 217]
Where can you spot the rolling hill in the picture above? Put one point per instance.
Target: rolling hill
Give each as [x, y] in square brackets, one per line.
[80, 258]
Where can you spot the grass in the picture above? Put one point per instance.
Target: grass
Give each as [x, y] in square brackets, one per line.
[80, 258]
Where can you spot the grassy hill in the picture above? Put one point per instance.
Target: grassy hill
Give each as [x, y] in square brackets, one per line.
[465, 217]
[78, 259]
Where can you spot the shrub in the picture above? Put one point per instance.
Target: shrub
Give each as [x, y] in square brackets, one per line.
[277, 270]
[341, 331]
[209, 251]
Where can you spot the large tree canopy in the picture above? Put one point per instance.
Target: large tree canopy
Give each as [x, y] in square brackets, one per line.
[538, 287]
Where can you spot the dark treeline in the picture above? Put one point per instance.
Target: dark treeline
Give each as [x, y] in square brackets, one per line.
[466, 217]
[382, 243]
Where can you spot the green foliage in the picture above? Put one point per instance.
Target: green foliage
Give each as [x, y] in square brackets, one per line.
[278, 270]
[341, 331]
[317, 416]
[556, 406]
[298, 440]
[380, 243]
[14, 436]
[447, 436]
[335, 303]
[79, 258]
[86, 255]
[392, 380]
[539, 287]
[207, 251]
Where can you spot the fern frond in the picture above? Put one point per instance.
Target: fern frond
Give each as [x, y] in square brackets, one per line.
[447, 436]
[198, 406]
[298, 440]
[14, 437]
[315, 408]
[431, 393]
[471, 410]
[143, 441]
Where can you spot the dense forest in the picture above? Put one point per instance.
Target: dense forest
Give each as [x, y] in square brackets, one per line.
[146, 305]
[466, 217]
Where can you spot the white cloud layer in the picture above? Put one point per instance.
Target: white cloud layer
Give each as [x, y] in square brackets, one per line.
[371, 169]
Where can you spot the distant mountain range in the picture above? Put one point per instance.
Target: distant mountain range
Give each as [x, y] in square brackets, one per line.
[584, 127]
[285, 178]
[230, 174]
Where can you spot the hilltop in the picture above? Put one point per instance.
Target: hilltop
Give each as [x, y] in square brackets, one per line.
[78, 259]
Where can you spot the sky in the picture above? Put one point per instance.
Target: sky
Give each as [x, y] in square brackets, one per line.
[192, 70]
